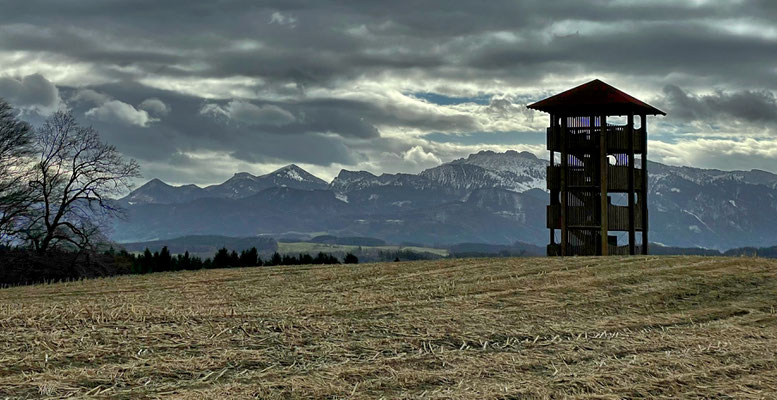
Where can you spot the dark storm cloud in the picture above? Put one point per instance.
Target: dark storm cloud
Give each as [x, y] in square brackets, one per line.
[33, 92]
[331, 82]
[657, 50]
[360, 113]
[756, 106]
[346, 118]
[185, 129]
[496, 138]
[643, 37]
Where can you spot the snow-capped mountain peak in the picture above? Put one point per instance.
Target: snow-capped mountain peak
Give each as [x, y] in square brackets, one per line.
[244, 184]
[241, 184]
[295, 173]
[523, 163]
[351, 180]
[510, 170]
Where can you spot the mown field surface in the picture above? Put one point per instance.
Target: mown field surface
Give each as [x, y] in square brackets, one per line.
[683, 327]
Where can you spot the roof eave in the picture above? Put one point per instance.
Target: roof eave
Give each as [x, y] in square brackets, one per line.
[586, 109]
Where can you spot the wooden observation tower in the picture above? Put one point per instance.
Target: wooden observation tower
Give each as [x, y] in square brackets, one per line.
[598, 184]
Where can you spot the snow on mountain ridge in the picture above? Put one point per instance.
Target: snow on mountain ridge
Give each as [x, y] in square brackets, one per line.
[352, 180]
[688, 206]
[522, 164]
[510, 170]
[294, 172]
[243, 184]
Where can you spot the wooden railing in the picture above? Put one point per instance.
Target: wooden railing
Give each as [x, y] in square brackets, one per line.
[588, 138]
[617, 178]
[618, 218]
[587, 217]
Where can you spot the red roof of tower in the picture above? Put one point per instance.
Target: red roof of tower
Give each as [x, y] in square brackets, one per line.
[594, 97]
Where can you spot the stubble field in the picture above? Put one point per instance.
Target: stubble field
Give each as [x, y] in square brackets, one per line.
[687, 327]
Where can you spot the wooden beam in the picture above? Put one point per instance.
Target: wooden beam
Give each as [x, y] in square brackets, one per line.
[630, 133]
[564, 231]
[644, 199]
[603, 168]
[552, 192]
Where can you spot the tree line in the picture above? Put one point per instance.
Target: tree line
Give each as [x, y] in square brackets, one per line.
[163, 260]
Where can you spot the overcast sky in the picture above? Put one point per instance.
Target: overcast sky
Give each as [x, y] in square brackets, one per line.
[199, 90]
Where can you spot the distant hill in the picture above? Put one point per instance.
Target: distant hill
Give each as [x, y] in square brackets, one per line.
[766, 252]
[659, 250]
[205, 245]
[157, 192]
[272, 211]
[348, 241]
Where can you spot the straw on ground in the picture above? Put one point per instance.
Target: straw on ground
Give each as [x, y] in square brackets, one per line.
[481, 328]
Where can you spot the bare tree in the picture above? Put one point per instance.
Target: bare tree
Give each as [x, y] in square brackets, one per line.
[15, 150]
[74, 180]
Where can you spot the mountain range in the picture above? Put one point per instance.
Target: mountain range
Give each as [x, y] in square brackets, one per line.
[242, 184]
[488, 197]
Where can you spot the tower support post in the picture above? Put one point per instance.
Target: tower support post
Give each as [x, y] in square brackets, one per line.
[643, 199]
[552, 192]
[564, 195]
[603, 170]
[630, 133]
